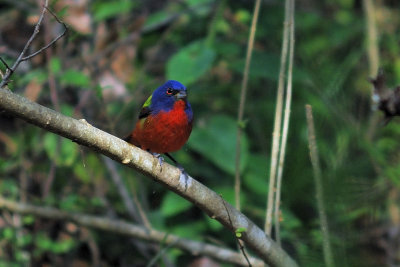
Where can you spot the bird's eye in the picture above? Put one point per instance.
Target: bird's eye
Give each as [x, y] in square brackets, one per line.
[170, 91]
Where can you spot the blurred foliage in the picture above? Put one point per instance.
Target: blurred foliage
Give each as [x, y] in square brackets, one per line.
[118, 52]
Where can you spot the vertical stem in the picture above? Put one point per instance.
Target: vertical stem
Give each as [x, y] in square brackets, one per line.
[242, 101]
[47, 184]
[373, 56]
[286, 118]
[372, 37]
[328, 257]
[212, 31]
[278, 121]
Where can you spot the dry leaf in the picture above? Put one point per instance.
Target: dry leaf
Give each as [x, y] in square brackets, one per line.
[122, 62]
[11, 146]
[204, 262]
[33, 90]
[112, 87]
[78, 17]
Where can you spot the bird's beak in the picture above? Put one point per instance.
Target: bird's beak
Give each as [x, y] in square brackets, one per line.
[181, 95]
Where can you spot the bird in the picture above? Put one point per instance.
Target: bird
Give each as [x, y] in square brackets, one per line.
[164, 123]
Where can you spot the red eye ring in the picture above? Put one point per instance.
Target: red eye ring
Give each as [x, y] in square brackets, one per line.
[169, 91]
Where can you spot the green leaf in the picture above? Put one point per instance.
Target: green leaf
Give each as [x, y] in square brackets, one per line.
[194, 3]
[216, 140]
[227, 193]
[239, 231]
[213, 223]
[67, 110]
[9, 188]
[158, 219]
[82, 172]
[63, 246]
[46, 244]
[243, 16]
[256, 175]
[70, 203]
[50, 145]
[263, 65]
[28, 219]
[200, 7]
[106, 10]
[174, 204]
[43, 242]
[55, 65]
[24, 239]
[190, 63]
[8, 233]
[74, 78]
[190, 230]
[156, 18]
[68, 151]
[39, 74]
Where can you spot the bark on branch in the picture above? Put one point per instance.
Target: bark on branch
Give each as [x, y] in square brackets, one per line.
[207, 200]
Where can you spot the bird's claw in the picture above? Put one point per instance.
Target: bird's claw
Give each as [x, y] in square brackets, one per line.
[184, 179]
[160, 159]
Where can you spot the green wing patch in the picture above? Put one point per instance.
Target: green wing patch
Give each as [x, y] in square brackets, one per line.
[145, 108]
[148, 102]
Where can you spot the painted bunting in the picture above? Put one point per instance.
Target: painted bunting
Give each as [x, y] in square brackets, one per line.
[165, 121]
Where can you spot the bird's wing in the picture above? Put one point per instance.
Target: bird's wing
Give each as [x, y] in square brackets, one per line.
[144, 113]
[146, 110]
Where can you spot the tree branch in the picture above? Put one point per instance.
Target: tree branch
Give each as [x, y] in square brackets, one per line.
[132, 230]
[207, 200]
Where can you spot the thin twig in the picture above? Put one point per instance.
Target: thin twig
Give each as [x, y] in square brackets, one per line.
[27, 45]
[161, 252]
[46, 186]
[241, 247]
[286, 118]
[88, 237]
[328, 256]
[22, 57]
[49, 55]
[5, 64]
[129, 206]
[242, 101]
[53, 41]
[142, 213]
[277, 124]
[128, 229]
[121, 188]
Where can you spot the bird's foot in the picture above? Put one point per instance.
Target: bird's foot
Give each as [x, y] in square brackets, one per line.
[184, 179]
[160, 159]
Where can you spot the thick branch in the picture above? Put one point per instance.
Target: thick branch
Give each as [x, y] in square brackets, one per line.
[128, 229]
[117, 149]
